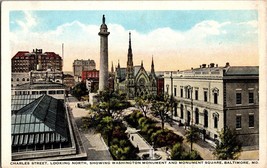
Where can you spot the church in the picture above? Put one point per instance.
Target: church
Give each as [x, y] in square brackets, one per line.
[133, 80]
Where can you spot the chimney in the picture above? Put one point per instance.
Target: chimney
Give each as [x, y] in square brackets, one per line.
[211, 65]
[217, 65]
[203, 65]
[192, 68]
[199, 66]
[227, 64]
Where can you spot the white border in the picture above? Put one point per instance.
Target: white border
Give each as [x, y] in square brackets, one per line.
[128, 5]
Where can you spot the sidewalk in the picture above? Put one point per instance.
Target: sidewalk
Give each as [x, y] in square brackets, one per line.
[203, 148]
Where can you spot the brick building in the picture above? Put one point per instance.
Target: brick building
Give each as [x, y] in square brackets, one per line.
[90, 74]
[82, 65]
[25, 61]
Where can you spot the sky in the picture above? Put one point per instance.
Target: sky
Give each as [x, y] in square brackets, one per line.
[176, 39]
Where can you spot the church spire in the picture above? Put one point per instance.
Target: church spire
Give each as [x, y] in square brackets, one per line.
[119, 64]
[130, 44]
[130, 54]
[112, 68]
[152, 66]
[142, 64]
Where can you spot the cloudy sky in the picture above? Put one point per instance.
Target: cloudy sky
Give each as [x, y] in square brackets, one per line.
[177, 39]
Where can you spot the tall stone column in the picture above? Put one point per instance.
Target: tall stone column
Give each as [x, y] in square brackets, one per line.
[103, 72]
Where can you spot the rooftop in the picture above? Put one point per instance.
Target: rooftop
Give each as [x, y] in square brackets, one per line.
[41, 121]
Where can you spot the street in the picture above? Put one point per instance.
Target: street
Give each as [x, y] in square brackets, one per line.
[94, 145]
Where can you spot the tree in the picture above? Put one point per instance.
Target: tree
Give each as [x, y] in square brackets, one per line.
[79, 90]
[143, 104]
[161, 107]
[192, 135]
[106, 128]
[229, 146]
[177, 152]
[111, 102]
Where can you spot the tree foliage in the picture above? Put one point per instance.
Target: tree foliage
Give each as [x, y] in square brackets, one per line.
[192, 135]
[179, 153]
[111, 102]
[143, 104]
[79, 90]
[229, 147]
[161, 107]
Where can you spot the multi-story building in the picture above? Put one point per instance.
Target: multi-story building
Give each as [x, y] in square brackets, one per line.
[213, 98]
[90, 74]
[82, 65]
[42, 82]
[25, 61]
[19, 78]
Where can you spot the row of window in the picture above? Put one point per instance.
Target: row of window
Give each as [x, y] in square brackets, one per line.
[239, 121]
[23, 79]
[189, 91]
[43, 57]
[50, 92]
[215, 118]
[239, 97]
[196, 117]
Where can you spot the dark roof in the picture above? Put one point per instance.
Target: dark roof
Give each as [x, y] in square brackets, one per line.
[242, 71]
[41, 121]
[41, 85]
[21, 53]
[19, 101]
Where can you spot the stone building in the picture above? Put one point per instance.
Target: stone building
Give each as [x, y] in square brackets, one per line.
[213, 97]
[42, 82]
[135, 80]
[25, 61]
[82, 65]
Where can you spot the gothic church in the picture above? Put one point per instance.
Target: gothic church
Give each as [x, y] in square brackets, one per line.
[135, 80]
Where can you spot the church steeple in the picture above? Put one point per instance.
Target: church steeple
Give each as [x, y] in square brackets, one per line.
[130, 53]
[152, 66]
[119, 64]
[112, 68]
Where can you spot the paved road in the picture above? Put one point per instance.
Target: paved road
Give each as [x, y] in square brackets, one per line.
[94, 145]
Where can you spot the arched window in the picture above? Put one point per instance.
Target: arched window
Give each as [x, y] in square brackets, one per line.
[23, 79]
[215, 93]
[215, 122]
[197, 116]
[28, 79]
[216, 119]
[17, 79]
[12, 79]
[206, 118]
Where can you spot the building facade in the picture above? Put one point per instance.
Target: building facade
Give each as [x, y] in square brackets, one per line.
[213, 97]
[25, 61]
[82, 65]
[134, 80]
[42, 82]
[19, 78]
[90, 74]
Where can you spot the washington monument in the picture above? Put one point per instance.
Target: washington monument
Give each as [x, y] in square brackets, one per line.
[103, 73]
